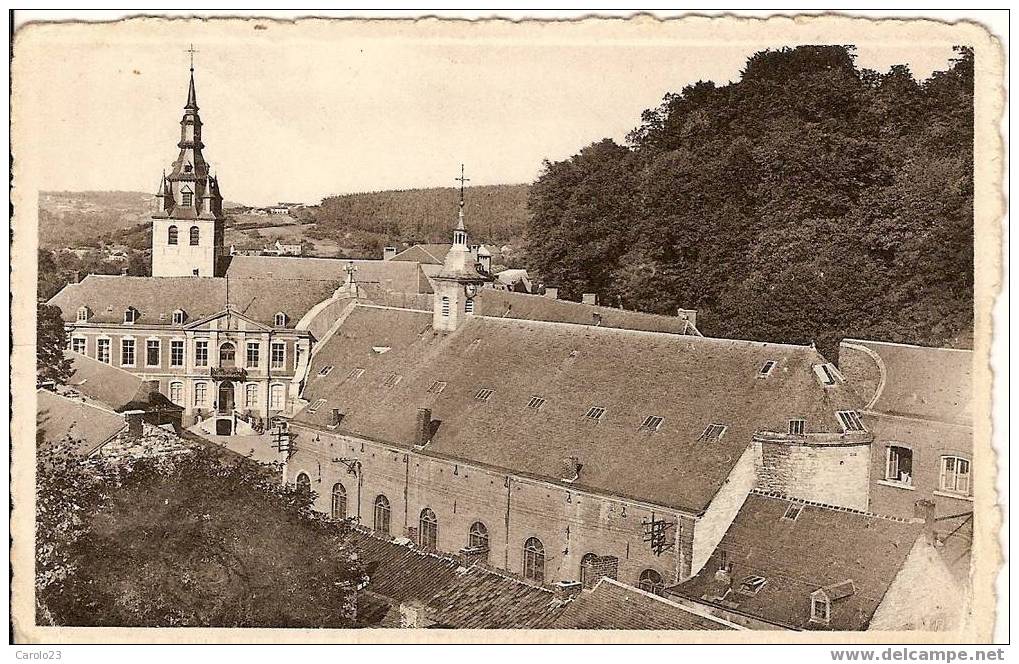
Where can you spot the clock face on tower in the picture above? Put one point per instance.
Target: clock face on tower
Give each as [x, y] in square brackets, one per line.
[471, 290]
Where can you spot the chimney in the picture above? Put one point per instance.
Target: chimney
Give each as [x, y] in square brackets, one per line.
[590, 298]
[424, 427]
[469, 555]
[564, 591]
[134, 422]
[596, 318]
[76, 276]
[552, 293]
[924, 510]
[388, 253]
[123, 271]
[336, 418]
[570, 469]
[688, 314]
[414, 615]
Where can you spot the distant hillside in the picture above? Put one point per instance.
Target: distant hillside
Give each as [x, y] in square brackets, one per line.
[495, 214]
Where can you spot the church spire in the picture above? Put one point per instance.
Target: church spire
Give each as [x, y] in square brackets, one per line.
[192, 98]
[460, 232]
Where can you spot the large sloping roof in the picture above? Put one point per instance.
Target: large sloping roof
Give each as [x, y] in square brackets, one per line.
[504, 304]
[114, 387]
[612, 605]
[823, 546]
[392, 275]
[430, 254]
[84, 426]
[485, 599]
[916, 381]
[689, 381]
[156, 298]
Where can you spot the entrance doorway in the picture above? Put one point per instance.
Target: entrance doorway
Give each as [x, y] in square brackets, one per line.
[226, 396]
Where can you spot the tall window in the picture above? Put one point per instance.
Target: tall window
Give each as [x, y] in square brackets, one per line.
[201, 393]
[382, 512]
[177, 393]
[280, 319]
[251, 358]
[103, 350]
[251, 396]
[445, 307]
[152, 352]
[276, 396]
[186, 198]
[176, 352]
[534, 560]
[227, 355]
[78, 344]
[277, 355]
[428, 529]
[587, 576]
[469, 306]
[899, 465]
[127, 352]
[478, 537]
[652, 582]
[201, 353]
[303, 483]
[195, 236]
[339, 504]
[955, 475]
[171, 235]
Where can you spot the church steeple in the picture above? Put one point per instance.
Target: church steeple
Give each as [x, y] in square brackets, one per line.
[190, 192]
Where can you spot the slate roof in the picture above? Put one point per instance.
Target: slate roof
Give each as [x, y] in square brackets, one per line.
[114, 387]
[485, 599]
[823, 546]
[504, 304]
[928, 383]
[392, 275]
[430, 254]
[87, 426]
[689, 381]
[259, 299]
[613, 605]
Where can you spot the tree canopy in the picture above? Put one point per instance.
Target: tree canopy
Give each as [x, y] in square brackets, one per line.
[809, 201]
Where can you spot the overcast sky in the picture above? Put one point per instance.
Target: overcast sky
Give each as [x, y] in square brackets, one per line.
[296, 113]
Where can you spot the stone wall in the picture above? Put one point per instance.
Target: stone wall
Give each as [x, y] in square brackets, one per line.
[833, 473]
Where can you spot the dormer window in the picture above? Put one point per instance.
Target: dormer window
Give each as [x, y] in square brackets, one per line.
[797, 427]
[850, 420]
[595, 413]
[324, 371]
[793, 511]
[752, 585]
[355, 373]
[827, 374]
[713, 432]
[83, 314]
[820, 609]
[484, 394]
[766, 369]
[536, 403]
[437, 387]
[392, 380]
[130, 316]
[178, 317]
[652, 423]
[280, 319]
[186, 198]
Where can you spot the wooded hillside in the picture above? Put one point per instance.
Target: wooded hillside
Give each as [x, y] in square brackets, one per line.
[810, 200]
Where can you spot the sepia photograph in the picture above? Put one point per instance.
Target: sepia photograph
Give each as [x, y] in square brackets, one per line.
[611, 329]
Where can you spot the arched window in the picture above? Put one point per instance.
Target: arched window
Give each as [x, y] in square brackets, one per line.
[251, 395]
[195, 236]
[303, 483]
[280, 319]
[445, 307]
[469, 306]
[171, 235]
[478, 537]
[177, 393]
[339, 505]
[276, 396]
[428, 530]
[382, 514]
[227, 353]
[534, 560]
[652, 582]
[587, 577]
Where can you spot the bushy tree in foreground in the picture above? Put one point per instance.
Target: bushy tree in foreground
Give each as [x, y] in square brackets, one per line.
[188, 540]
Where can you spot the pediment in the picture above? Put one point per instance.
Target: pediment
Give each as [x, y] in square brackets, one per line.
[228, 319]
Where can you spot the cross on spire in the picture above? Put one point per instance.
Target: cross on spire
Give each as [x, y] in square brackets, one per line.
[191, 50]
[462, 180]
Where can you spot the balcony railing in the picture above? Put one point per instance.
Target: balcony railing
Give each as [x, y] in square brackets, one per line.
[228, 373]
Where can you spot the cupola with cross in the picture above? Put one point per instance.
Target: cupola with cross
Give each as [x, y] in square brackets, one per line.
[188, 220]
[461, 277]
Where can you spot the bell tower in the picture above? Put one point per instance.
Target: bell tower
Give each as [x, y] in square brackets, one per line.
[188, 221]
[460, 279]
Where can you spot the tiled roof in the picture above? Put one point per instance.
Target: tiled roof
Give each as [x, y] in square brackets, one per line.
[822, 547]
[398, 572]
[503, 304]
[612, 605]
[929, 383]
[484, 599]
[85, 426]
[114, 387]
[689, 381]
[392, 275]
[433, 254]
[156, 298]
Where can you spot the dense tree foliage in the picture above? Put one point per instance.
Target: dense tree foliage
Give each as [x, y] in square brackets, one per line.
[809, 201]
[50, 342]
[188, 540]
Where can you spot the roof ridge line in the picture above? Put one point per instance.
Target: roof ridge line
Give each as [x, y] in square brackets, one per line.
[836, 508]
[902, 345]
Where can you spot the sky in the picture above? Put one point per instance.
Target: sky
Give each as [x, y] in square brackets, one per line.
[296, 112]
